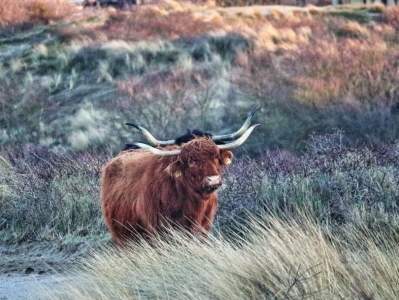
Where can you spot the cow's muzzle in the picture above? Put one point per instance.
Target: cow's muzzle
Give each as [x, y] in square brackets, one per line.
[212, 183]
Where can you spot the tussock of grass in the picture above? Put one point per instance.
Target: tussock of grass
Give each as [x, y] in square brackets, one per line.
[354, 30]
[276, 259]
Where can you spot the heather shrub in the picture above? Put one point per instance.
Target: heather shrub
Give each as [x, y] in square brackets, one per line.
[15, 99]
[181, 100]
[44, 195]
[49, 196]
[334, 181]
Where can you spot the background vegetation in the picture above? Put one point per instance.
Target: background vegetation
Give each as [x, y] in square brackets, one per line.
[326, 81]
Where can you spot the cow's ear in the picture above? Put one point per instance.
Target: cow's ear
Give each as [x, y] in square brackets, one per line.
[174, 169]
[226, 157]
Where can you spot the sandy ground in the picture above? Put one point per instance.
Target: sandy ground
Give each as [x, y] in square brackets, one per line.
[27, 267]
[19, 287]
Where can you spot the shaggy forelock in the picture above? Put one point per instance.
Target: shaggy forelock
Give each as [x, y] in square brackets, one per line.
[199, 149]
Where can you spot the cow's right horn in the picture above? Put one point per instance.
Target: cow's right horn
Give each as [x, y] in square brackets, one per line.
[157, 151]
[238, 142]
[239, 132]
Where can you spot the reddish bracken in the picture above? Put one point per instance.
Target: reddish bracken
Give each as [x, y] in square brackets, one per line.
[144, 190]
[30, 11]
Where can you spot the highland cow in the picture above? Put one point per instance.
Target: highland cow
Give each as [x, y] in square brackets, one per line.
[143, 190]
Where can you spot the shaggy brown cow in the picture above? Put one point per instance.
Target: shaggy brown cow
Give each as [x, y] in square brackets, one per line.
[143, 190]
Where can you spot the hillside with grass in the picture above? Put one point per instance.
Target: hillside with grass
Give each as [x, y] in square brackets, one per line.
[309, 207]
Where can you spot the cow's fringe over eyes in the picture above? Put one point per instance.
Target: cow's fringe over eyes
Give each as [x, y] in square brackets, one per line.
[200, 149]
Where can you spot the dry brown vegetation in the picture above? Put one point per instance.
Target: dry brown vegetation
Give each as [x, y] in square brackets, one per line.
[391, 16]
[167, 20]
[28, 11]
[150, 24]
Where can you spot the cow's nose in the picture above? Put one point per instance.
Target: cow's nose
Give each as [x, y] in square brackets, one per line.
[214, 180]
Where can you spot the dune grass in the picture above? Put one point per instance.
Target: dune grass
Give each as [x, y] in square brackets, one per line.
[276, 259]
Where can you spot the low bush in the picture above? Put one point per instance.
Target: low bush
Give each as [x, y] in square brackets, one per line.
[45, 196]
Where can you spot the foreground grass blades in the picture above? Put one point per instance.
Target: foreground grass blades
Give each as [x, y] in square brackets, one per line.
[276, 260]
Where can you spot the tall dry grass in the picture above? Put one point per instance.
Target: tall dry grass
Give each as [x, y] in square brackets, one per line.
[276, 259]
[351, 71]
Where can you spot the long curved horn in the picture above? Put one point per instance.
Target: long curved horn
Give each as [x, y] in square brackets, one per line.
[239, 132]
[158, 151]
[150, 138]
[238, 142]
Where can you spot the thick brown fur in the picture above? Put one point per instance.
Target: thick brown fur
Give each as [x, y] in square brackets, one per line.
[141, 193]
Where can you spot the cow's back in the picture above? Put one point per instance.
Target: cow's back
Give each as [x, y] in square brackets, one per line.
[122, 191]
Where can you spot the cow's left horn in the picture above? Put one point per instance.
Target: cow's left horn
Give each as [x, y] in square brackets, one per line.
[158, 151]
[150, 138]
[238, 142]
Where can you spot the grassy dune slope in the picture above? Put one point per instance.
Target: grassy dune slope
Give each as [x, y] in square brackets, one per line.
[175, 66]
